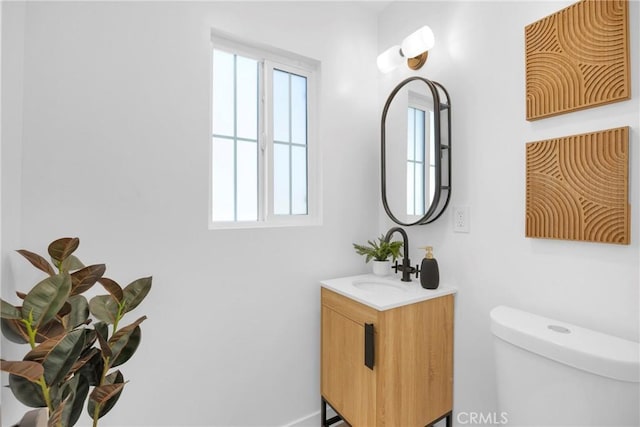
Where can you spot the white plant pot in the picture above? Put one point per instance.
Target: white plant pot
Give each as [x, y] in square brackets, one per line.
[381, 268]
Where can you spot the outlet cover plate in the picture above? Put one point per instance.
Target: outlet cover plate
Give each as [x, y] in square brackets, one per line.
[461, 219]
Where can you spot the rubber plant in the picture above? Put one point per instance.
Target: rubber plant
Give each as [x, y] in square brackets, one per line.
[75, 344]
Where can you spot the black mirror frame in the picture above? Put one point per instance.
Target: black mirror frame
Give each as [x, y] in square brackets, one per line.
[437, 207]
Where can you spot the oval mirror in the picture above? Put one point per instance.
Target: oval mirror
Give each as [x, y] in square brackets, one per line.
[416, 152]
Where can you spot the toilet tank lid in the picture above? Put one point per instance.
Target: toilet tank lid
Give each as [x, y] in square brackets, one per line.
[572, 345]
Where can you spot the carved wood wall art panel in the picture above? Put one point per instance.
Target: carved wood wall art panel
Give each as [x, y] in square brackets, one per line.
[578, 58]
[577, 187]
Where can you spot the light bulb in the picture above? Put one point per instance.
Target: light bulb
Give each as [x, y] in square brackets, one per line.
[418, 42]
[389, 59]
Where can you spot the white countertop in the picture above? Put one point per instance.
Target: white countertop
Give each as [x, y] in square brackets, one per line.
[384, 293]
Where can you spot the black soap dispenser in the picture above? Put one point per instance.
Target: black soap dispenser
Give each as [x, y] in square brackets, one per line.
[429, 273]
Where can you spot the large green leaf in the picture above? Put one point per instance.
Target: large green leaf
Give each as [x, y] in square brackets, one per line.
[62, 358]
[37, 261]
[26, 392]
[51, 329]
[32, 371]
[126, 347]
[61, 249]
[107, 394]
[83, 280]
[14, 331]
[135, 292]
[92, 369]
[112, 287]
[9, 311]
[102, 328]
[79, 311]
[46, 298]
[85, 357]
[71, 263]
[105, 308]
[75, 391]
[40, 352]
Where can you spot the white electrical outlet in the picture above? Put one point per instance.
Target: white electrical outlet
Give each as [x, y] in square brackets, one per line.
[461, 218]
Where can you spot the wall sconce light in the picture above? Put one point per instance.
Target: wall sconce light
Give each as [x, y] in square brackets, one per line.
[414, 48]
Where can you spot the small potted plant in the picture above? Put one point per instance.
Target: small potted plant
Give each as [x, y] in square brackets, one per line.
[380, 251]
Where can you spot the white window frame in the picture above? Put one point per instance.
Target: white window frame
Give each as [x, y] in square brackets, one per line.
[269, 59]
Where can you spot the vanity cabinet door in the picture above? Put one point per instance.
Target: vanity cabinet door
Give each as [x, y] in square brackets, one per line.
[347, 384]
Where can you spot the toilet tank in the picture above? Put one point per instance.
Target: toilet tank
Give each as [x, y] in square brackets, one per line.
[552, 373]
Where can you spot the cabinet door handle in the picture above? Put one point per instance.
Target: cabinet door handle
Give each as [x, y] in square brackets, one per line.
[368, 345]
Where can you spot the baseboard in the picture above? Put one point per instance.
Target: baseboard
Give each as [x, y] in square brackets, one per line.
[312, 420]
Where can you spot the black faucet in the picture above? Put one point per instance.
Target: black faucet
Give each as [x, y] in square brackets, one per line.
[406, 267]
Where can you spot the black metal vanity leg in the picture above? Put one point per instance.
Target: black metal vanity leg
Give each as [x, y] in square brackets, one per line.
[323, 413]
[449, 421]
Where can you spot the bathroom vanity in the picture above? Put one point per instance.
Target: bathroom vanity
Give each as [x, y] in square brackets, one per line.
[387, 352]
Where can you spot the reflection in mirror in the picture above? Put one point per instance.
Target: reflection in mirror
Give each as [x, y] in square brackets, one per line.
[416, 152]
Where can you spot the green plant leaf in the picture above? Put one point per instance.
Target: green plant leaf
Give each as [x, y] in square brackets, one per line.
[40, 352]
[104, 308]
[83, 280]
[51, 329]
[79, 311]
[130, 347]
[59, 357]
[104, 345]
[123, 342]
[32, 371]
[75, 391]
[71, 263]
[102, 328]
[60, 249]
[55, 417]
[379, 250]
[85, 357]
[92, 369]
[37, 261]
[112, 287]
[135, 292]
[9, 311]
[26, 392]
[107, 394]
[14, 331]
[46, 299]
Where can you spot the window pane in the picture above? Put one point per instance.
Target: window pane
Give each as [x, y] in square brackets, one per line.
[299, 180]
[411, 125]
[419, 189]
[281, 106]
[298, 109]
[281, 185]
[420, 136]
[223, 82]
[410, 188]
[247, 181]
[223, 181]
[247, 98]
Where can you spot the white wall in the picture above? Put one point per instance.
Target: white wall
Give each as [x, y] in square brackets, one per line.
[115, 151]
[479, 57]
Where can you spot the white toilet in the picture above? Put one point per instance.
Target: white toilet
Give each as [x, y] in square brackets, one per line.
[551, 373]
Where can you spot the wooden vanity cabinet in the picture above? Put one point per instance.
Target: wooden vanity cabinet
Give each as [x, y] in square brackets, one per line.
[411, 381]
